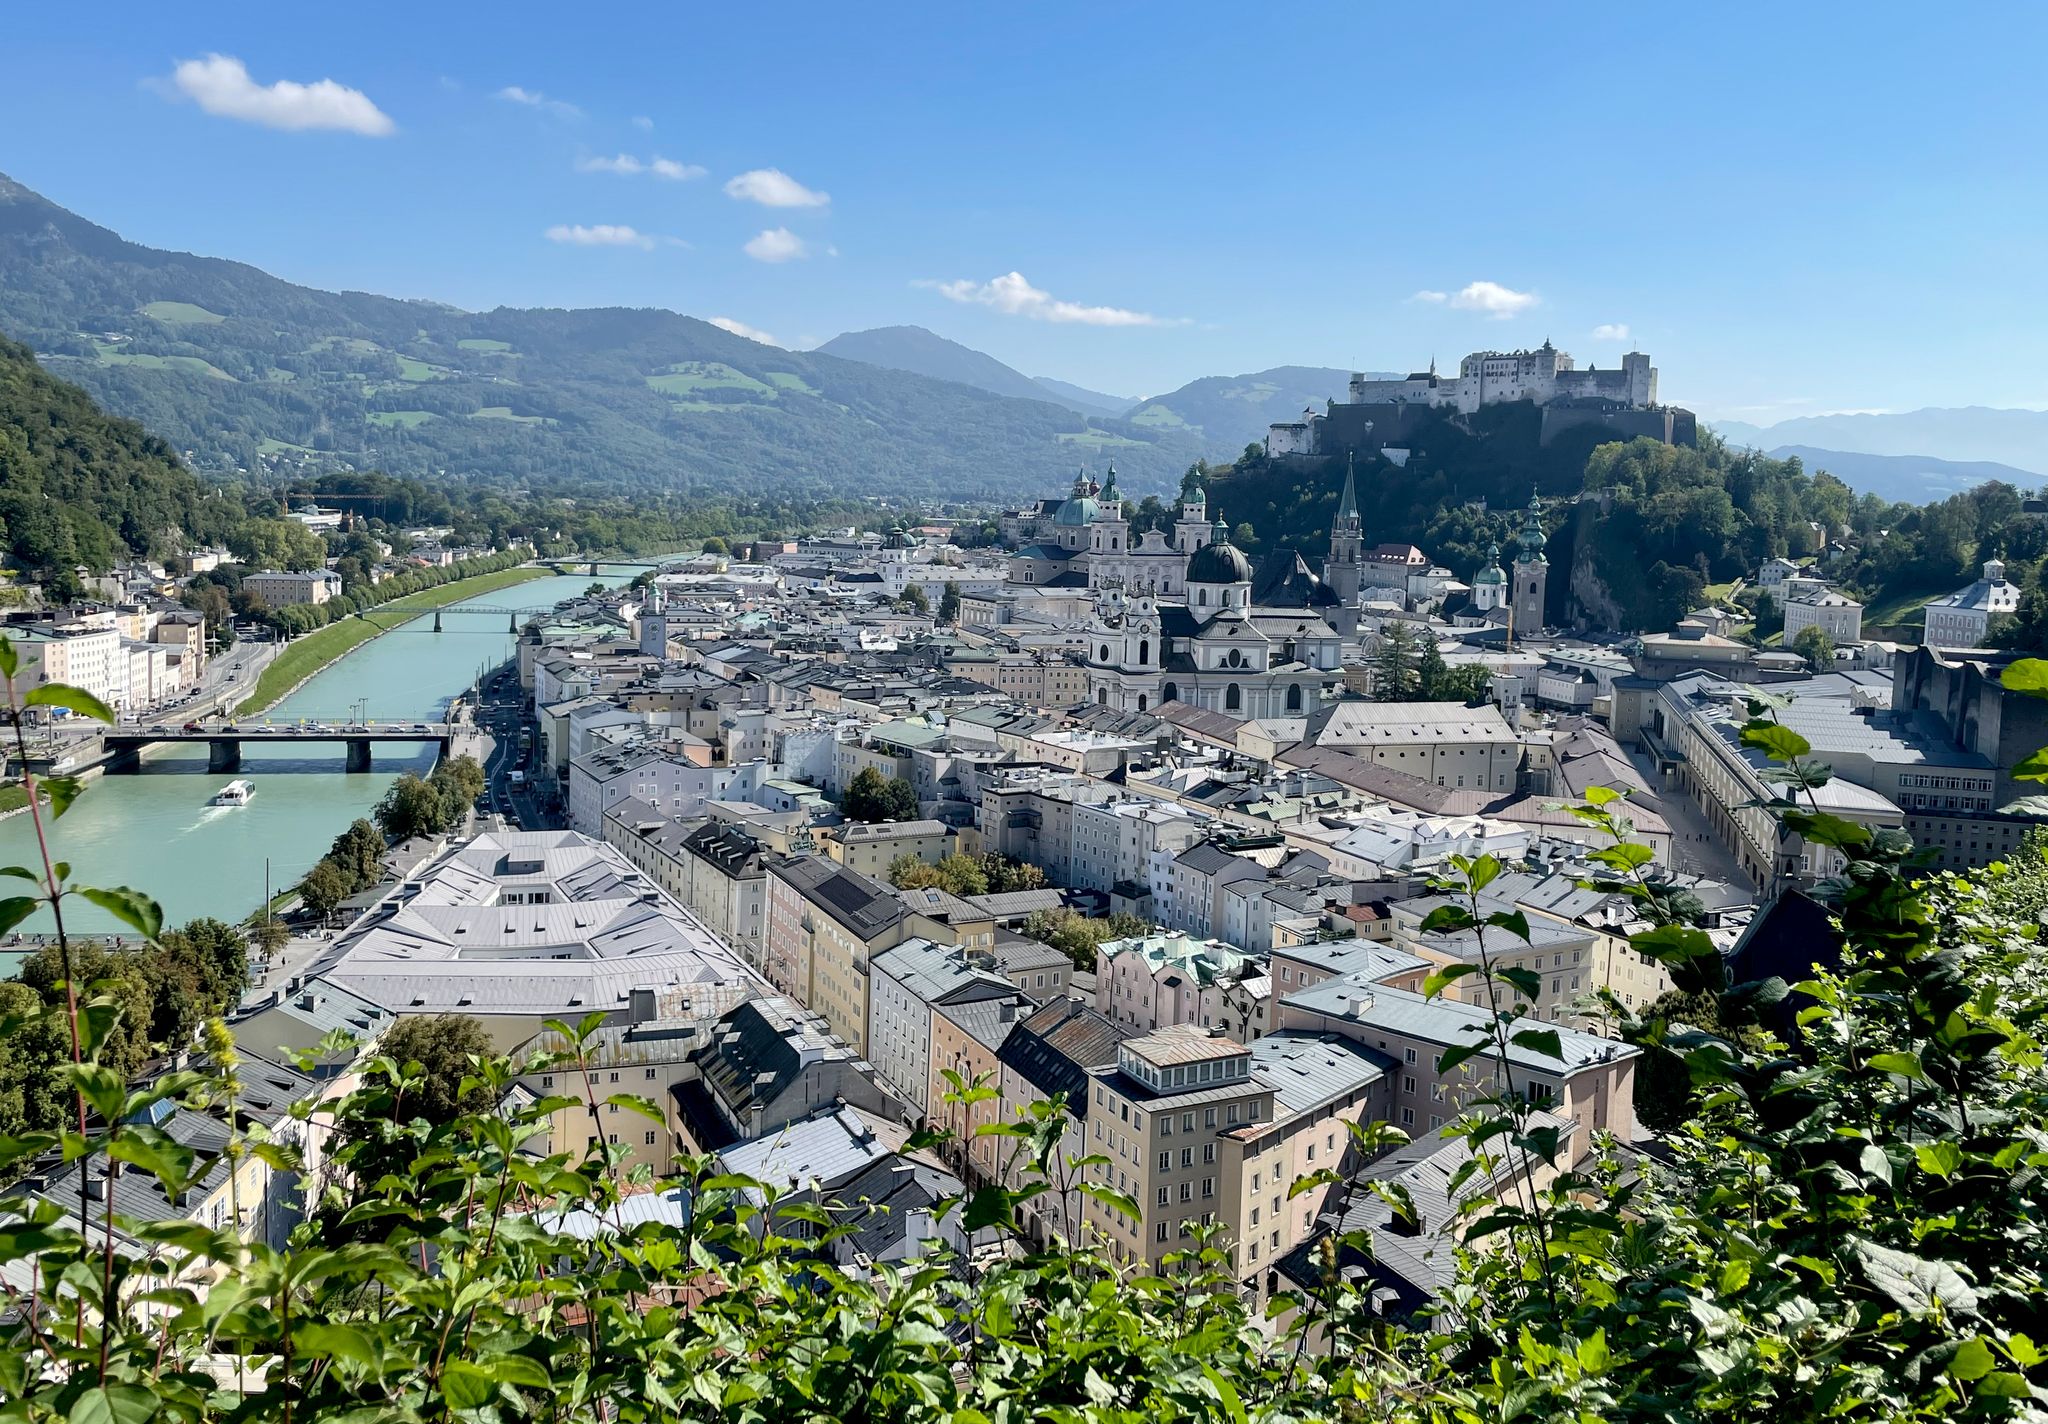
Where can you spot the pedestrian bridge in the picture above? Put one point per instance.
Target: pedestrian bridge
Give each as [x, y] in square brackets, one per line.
[224, 744]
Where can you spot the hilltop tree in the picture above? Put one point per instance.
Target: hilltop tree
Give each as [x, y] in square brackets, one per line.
[1393, 664]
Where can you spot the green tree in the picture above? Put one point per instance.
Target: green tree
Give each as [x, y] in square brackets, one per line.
[715, 545]
[1813, 643]
[324, 888]
[949, 603]
[872, 796]
[412, 807]
[358, 853]
[914, 600]
[1393, 663]
[445, 1047]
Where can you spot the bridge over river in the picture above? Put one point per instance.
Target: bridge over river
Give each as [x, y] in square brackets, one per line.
[224, 743]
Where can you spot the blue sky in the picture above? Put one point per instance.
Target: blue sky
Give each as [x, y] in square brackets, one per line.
[1793, 208]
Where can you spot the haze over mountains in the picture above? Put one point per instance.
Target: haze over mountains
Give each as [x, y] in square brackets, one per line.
[245, 370]
[1894, 454]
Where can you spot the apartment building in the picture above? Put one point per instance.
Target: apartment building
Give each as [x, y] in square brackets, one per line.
[967, 1039]
[910, 981]
[872, 847]
[1202, 1130]
[281, 590]
[1454, 746]
[1047, 1058]
[1149, 982]
[825, 923]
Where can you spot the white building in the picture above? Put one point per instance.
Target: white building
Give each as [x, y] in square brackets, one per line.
[1835, 614]
[1963, 619]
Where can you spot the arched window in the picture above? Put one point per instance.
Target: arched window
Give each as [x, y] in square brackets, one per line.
[1201, 598]
[1105, 654]
[1170, 692]
[1102, 696]
[1294, 697]
[1232, 698]
[1112, 541]
[1144, 651]
[1141, 702]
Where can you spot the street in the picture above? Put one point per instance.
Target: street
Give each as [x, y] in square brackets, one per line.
[529, 803]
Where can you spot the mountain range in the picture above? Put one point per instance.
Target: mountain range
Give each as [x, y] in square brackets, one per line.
[1976, 443]
[1224, 412]
[244, 371]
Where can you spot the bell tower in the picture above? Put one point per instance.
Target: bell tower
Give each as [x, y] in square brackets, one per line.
[1532, 570]
[1344, 569]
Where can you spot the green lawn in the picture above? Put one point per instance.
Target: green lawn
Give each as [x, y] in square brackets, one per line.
[688, 377]
[1100, 439]
[355, 344]
[1157, 415]
[317, 649]
[181, 314]
[1901, 608]
[482, 343]
[190, 365]
[410, 369]
[405, 419]
[280, 375]
[791, 381]
[504, 412]
[278, 447]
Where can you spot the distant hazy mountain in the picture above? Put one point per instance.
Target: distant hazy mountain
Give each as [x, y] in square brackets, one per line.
[246, 371]
[1229, 412]
[1916, 479]
[1968, 433]
[1092, 402]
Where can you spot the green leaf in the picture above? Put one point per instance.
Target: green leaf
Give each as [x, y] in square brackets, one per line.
[1973, 1360]
[1777, 742]
[114, 1404]
[1593, 1353]
[1940, 1158]
[130, 907]
[1513, 921]
[1914, 1283]
[1442, 979]
[1824, 829]
[2028, 675]
[1600, 796]
[342, 1342]
[16, 908]
[1540, 1040]
[62, 791]
[517, 1370]
[2032, 768]
[1446, 917]
[989, 1206]
[1452, 1057]
[10, 660]
[465, 1386]
[1905, 1065]
[72, 699]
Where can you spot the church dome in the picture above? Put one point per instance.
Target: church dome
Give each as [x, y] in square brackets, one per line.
[1079, 510]
[1219, 561]
[1493, 572]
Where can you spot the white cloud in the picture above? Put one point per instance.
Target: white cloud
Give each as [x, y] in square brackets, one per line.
[1492, 298]
[740, 328]
[599, 235]
[641, 121]
[220, 84]
[534, 99]
[626, 166]
[772, 188]
[1013, 296]
[1611, 331]
[1435, 298]
[775, 244]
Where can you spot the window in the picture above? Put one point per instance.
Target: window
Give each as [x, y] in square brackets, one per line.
[1163, 1196]
[650, 1075]
[1208, 1152]
[1408, 1055]
[1187, 1191]
[1407, 1082]
[1311, 1152]
[1187, 1122]
[1187, 1156]
[1208, 1187]
[1161, 1233]
[1166, 1124]
[1233, 700]
[1166, 1161]
[1208, 1117]
[1407, 1117]
[650, 1138]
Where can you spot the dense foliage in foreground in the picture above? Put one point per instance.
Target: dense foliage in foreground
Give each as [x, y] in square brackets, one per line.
[1848, 1228]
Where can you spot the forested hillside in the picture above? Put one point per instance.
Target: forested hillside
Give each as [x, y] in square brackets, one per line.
[249, 372]
[80, 487]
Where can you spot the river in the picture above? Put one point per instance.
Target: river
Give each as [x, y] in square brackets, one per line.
[154, 831]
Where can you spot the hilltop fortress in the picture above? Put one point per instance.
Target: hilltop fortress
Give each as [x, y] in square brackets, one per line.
[1381, 414]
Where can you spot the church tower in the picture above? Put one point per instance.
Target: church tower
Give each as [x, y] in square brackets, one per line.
[1191, 528]
[1490, 584]
[654, 624]
[1344, 569]
[1532, 570]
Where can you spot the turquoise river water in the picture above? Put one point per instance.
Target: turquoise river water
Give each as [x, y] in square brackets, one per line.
[154, 831]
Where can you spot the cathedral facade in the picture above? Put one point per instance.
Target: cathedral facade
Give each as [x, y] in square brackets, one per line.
[1088, 543]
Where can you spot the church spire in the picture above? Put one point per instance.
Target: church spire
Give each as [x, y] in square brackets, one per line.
[1347, 507]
